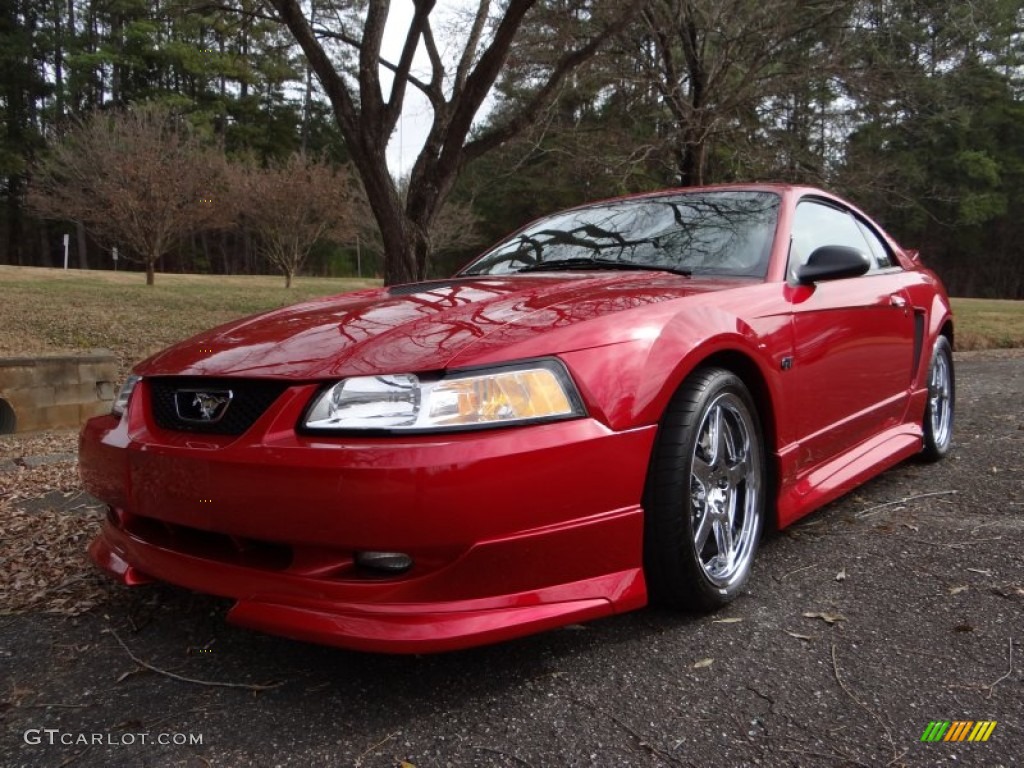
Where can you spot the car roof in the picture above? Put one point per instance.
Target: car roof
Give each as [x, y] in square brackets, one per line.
[777, 187]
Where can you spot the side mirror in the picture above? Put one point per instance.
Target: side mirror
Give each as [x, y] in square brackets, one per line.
[832, 262]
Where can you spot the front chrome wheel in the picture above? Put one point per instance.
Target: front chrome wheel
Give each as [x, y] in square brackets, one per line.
[725, 491]
[705, 495]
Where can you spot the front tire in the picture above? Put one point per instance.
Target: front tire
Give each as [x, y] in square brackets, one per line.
[939, 410]
[705, 495]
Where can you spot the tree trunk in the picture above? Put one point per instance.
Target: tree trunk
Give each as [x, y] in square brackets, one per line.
[15, 222]
[58, 61]
[247, 251]
[117, 68]
[408, 250]
[400, 257]
[399, 261]
[151, 269]
[83, 257]
[95, 88]
[244, 85]
[691, 169]
[287, 278]
[307, 103]
[46, 254]
[208, 262]
[224, 241]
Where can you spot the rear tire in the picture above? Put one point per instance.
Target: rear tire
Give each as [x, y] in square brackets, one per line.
[940, 408]
[705, 494]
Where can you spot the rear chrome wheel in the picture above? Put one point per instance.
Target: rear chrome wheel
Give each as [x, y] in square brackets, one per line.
[704, 502]
[939, 410]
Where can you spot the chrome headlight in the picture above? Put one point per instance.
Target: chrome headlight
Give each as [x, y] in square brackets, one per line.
[515, 394]
[125, 395]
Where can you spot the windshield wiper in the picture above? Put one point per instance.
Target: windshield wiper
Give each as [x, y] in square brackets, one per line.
[595, 263]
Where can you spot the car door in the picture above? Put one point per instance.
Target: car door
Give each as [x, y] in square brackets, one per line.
[854, 338]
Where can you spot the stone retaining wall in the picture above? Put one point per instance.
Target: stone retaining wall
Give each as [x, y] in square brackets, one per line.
[50, 392]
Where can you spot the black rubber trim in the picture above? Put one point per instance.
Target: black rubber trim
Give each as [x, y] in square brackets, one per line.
[425, 287]
[918, 342]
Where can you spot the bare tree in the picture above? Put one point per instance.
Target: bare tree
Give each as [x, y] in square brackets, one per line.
[138, 179]
[293, 204]
[455, 228]
[717, 63]
[367, 117]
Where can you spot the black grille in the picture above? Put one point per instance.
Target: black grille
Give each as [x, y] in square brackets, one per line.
[248, 553]
[250, 399]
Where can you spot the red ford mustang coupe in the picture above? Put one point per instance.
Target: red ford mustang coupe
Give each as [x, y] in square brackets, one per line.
[605, 408]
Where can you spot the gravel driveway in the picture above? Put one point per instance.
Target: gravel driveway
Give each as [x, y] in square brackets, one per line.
[916, 581]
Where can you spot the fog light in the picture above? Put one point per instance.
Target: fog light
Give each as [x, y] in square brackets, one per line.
[387, 562]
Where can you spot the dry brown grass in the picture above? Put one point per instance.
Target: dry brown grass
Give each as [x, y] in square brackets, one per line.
[988, 324]
[53, 310]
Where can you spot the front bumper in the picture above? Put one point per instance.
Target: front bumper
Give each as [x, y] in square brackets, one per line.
[510, 531]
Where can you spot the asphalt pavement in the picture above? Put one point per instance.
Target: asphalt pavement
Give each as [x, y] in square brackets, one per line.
[898, 606]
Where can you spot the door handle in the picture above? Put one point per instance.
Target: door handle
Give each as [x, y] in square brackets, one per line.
[895, 300]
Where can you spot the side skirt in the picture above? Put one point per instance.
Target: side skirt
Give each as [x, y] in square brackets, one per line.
[832, 479]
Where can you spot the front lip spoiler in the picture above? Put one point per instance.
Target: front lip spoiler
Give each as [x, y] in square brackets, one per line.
[109, 560]
[412, 632]
[373, 625]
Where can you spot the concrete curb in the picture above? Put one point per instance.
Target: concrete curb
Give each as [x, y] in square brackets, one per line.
[53, 391]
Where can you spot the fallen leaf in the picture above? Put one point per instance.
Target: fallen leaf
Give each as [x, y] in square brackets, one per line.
[798, 636]
[841, 576]
[958, 590]
[828, 618]
[963, 628]
[703, 663]
[17, 693]
[726, 621]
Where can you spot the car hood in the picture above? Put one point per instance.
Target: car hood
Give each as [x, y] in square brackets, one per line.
[419, 327]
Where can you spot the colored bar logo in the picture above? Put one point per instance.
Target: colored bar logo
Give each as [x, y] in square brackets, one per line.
[958, 730]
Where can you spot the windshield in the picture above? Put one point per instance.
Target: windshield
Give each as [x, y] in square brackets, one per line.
[716, 233]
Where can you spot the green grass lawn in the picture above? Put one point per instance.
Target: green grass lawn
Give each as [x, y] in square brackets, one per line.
[52, 310]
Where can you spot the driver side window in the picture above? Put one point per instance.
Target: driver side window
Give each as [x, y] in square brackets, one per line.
[817, 224]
